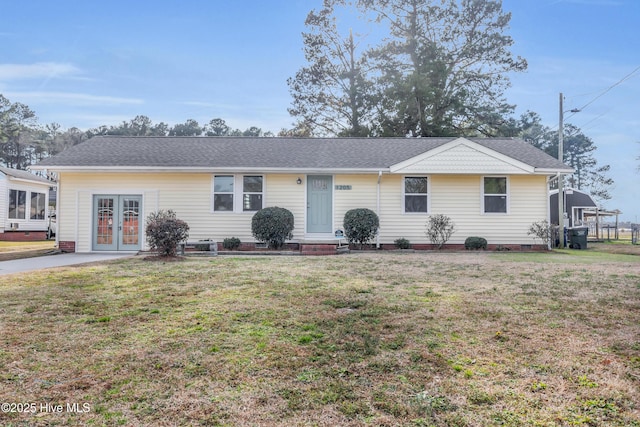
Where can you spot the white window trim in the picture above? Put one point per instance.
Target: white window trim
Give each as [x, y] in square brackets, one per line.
[238, 193]
[27, 217]
[482, 195]
[213, 192]
[428, 194]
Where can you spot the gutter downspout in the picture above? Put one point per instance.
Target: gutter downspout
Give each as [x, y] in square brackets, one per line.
[57, 244]
[549, 178]
[378, 208]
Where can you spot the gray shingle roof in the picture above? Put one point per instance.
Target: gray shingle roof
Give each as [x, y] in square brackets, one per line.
[15, 173]
[272, 153]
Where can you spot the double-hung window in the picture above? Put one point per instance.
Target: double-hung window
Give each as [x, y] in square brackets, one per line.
[495, 194]
[223, 193]
[17, 204]
[238, 193]
[416, 194]
[251, 193]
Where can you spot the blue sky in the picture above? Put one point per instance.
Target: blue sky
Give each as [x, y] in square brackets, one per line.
[86, 64]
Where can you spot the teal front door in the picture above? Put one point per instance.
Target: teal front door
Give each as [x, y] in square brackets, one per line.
[116, 223]
[319, 204]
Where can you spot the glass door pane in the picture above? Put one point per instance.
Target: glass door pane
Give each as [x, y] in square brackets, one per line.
[130, 222]
[116, 223]
[105, 223]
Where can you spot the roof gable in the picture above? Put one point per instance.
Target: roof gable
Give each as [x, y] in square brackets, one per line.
[462, 156]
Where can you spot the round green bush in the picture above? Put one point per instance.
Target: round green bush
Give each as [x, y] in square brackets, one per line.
[360, 225]
[273, 226]
[475, 242]
[231, 243]
[402, 243]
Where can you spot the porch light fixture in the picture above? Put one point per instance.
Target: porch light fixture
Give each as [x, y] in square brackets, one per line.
[299, 181]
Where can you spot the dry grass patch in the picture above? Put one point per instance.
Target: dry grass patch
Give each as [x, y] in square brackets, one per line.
[7, 246]
[19, 250]
[473, 339]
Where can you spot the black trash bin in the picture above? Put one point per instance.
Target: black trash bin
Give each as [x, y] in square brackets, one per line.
[578, 237]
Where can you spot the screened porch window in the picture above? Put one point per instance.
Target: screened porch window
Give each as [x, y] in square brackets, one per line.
[17, 204]
[38, 207]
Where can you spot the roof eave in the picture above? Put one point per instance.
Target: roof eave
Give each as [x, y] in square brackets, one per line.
[238, 169]
[209, 169]
[30, 181]
[553, 171]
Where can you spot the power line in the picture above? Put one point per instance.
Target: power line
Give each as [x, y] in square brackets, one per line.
[583, 127]
[619, 82]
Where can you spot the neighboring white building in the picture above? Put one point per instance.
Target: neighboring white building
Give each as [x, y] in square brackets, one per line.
[24, 205]
[490, 187]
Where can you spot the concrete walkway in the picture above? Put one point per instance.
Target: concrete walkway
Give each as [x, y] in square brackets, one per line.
[59, 260]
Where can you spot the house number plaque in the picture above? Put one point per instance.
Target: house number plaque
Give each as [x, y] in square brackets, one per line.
[343, 187]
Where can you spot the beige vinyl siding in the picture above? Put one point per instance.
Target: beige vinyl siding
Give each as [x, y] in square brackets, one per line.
[460, 198]
[363, 194]
[393, 222]
[283, 191]
[279, 190]
[189, 195]
[84, 220]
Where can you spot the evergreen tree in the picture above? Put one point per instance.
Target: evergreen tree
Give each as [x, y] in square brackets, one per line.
[331, 95]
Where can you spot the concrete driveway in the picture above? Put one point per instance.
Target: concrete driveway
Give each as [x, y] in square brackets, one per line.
[59, 260]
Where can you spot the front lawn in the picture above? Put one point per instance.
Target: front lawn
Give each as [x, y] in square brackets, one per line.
[19, 250]
[424, 339]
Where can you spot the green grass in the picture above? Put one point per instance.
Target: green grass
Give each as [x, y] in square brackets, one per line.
[425, 339]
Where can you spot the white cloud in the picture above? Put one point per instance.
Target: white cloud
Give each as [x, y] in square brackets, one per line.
[88, 121]
[204, 104]
[69, 98]
[40, 70]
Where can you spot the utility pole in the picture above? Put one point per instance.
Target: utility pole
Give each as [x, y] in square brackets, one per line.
[560, 177]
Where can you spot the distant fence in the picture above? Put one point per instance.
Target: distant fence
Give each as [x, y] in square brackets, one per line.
[609, 232]
[605, 232]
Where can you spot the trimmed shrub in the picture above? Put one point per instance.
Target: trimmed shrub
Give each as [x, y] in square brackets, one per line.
[475, 243]
[164, 232]
[402, 243]
[439, 229]
[231, 243]
[273, 226]
[360, 225]
[541, 230]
